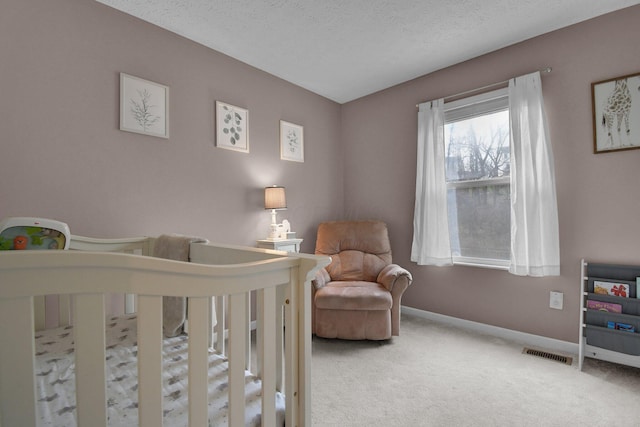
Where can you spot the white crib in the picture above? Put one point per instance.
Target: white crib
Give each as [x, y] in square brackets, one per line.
[94, 267]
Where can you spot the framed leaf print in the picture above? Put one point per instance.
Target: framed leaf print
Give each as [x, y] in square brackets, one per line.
[232, 127]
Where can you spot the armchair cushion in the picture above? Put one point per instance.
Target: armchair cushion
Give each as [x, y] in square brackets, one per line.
[359, 250]
[356, 295]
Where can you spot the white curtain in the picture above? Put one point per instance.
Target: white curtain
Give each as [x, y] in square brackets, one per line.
[535, 249]
[431, 244]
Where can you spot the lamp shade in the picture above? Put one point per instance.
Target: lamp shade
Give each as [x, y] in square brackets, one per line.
[274, 198]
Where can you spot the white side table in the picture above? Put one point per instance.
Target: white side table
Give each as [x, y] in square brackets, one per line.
[287, 245]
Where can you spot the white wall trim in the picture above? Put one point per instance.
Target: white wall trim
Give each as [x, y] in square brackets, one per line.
[530, 340]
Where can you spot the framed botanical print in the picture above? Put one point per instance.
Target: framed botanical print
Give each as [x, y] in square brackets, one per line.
[232, 127]
[144, 106]
[291, 142]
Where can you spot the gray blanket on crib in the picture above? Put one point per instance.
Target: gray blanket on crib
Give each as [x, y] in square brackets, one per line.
[174, 309]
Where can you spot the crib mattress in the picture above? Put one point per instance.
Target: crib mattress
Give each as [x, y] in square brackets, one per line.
[56, 382]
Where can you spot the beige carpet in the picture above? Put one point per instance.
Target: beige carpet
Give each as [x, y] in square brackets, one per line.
[437, 375]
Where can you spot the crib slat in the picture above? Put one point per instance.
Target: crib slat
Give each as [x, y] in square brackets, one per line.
[280, 297]
[237, 339]
[213, 320]
[150, 360]
[17, 372]
[257, 370]
[91, 385]
[64, 310]
[267, 300]
[198, 360]
[291, 348]
[39, 304]
[247, 334]
[304, 347]
[220, 324]
[129, 303]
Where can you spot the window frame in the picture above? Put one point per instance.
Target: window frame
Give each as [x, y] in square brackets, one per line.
[467, 108]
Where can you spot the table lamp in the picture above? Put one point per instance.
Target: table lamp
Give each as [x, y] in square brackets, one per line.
[274, 199]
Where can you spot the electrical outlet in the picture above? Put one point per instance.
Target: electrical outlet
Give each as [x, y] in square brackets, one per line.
[555, 300]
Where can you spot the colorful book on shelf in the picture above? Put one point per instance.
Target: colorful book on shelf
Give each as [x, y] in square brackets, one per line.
[621, 326]
[611, 288]
[637, 287]
[604, 306]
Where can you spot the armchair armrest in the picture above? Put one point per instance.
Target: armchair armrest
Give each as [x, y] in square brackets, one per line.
[392, 274]
[322, 278]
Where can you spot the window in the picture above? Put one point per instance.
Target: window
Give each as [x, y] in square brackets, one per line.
[477, 169]
[463, 184]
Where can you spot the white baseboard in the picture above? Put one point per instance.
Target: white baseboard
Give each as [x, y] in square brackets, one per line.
[530, 340]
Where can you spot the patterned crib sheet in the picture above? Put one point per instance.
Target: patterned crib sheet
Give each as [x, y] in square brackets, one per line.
[56, 382]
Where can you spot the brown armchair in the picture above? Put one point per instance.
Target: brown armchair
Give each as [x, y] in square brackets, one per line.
[357, 296]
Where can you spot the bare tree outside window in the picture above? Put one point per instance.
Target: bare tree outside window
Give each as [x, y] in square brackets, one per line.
[477, 173]
[478, 148]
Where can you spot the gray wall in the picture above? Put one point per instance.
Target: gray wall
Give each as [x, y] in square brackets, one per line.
[63, 155]
[598, 195]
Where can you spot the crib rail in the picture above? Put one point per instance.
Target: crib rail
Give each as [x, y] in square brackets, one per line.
[215, 271]
[55, 310]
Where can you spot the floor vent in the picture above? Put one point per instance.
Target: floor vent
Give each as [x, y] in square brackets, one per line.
[546, 355]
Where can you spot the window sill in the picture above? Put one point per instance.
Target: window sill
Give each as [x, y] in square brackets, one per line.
[497, 265]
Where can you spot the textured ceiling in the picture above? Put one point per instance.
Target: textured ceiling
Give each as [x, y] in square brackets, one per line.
[346, 49]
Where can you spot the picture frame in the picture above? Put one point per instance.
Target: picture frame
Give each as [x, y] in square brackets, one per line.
[144, 106]
[616, 114]
[291, 142]
[232, 127]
